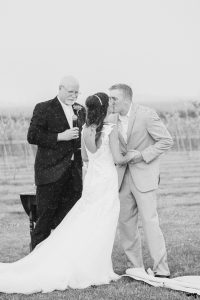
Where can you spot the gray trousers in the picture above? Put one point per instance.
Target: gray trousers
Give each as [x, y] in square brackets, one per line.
[132, 202]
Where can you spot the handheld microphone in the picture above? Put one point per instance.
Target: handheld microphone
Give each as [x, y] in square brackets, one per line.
[74, 121]
[75, 124]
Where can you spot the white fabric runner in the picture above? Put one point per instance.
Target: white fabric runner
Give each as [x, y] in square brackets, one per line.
[188, 284]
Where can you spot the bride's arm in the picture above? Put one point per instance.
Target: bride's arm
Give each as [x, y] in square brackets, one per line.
[114, 145]
[83, 151]
[84, 158]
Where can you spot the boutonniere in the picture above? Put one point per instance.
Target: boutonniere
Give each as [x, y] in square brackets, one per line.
[75, 117]
[77, 108]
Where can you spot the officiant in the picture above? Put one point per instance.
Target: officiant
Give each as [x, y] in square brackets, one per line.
[55, 128]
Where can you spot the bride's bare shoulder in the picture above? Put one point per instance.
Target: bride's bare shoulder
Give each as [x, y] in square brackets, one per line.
[89, 131]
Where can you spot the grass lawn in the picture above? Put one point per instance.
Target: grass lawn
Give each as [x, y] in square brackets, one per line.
[179, 218]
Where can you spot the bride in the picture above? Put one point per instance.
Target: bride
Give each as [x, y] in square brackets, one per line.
[78, 252]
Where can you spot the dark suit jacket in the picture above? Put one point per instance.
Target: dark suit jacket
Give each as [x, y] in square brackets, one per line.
[53, 157]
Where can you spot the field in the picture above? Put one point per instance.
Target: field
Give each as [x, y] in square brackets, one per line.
[183, 124]
[178, 206]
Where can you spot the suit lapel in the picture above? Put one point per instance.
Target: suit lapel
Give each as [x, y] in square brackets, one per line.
[131, 120]
[58, 110]
[122, 139]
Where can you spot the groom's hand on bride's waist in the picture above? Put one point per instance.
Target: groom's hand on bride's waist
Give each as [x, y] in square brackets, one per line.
[135, 157]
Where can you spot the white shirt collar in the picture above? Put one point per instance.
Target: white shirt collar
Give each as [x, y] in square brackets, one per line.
[65, 106]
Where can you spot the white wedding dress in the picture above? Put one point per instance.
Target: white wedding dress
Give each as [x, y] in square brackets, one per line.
[78, 252]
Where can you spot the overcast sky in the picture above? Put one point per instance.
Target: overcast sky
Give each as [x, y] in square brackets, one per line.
[153, 45]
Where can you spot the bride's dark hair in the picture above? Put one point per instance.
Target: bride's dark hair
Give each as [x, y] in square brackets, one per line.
[97, 107]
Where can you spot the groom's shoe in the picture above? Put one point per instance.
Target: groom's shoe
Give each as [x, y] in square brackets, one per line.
[154, 274]
[161, 276]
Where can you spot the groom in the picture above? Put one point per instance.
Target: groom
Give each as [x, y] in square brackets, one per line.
[58, 164]
[140, 129]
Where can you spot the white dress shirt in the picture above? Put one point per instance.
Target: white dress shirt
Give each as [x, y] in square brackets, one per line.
[68, 110]
[123, 124]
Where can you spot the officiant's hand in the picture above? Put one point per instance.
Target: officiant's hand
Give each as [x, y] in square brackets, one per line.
[69, 134]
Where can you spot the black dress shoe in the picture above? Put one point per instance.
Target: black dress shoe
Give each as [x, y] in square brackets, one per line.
[161, 276]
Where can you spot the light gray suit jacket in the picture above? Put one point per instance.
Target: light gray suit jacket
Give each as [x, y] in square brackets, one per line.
[147, 134]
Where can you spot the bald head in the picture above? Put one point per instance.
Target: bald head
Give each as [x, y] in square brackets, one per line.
[68, 80]
[68, 90]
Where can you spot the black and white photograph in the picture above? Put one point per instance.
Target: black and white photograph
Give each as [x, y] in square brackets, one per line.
[100, 149]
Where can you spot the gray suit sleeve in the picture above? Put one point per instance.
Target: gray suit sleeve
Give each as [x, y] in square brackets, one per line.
[161, 136]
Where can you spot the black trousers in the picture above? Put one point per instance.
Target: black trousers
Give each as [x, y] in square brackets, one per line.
[54, 201]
